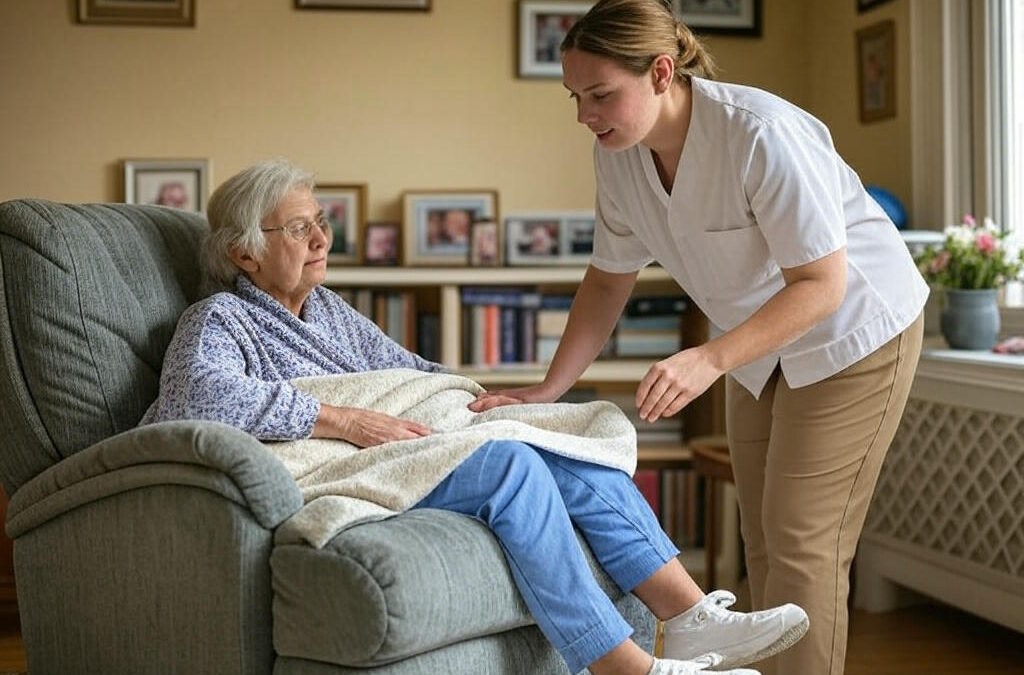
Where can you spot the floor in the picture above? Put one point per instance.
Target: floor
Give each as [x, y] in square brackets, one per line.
[921, 640]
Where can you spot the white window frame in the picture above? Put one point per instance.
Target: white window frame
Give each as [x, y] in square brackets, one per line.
[963, 159]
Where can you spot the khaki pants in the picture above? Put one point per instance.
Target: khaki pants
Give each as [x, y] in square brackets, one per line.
[806, 462]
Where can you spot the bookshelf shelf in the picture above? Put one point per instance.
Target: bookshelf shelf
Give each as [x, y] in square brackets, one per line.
[628, 371]
[467, 276]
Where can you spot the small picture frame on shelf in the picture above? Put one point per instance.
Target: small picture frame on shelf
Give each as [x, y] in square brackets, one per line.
[484, 243]
[721, 17]
[436, 224]
[177, 183]
[134, 12]
[382, 244]
[876, 71]
[549, 238]
[542, 27]
[344, 207]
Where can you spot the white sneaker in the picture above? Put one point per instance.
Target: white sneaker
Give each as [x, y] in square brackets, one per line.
[740, 638]
[698, 666]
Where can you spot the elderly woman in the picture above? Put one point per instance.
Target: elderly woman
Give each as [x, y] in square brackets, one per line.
[234, 353]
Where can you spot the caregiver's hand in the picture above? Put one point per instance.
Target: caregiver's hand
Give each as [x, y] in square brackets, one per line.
[671, 384]
[365, 428]
[537, 393]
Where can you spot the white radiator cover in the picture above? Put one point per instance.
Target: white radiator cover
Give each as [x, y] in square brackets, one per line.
[947, 518]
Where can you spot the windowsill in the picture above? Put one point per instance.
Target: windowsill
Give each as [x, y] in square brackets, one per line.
[979, 380]
[936, 349]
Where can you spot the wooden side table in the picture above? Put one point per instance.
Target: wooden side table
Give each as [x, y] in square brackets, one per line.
[711, 461]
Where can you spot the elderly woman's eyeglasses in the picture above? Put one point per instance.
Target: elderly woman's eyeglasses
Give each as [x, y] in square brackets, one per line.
[300, 229]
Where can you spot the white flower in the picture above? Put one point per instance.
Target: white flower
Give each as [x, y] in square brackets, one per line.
[1012, 245]
[960, 234]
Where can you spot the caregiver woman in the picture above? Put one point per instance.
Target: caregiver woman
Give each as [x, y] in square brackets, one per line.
[815, 301]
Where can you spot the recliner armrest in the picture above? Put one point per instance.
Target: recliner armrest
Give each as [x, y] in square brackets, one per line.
[210, 455]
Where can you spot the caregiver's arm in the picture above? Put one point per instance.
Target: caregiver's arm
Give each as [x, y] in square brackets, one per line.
[364, 428]
[812, 293]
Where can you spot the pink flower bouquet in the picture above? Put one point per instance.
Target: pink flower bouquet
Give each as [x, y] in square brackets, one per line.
[972, 257]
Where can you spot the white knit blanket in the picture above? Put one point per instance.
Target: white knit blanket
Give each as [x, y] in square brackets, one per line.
[343, 485]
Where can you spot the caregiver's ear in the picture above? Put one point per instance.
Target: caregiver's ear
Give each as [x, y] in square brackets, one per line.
[663, 71]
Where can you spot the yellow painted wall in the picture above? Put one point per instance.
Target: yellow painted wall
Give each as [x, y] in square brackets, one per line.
[879, 151]
[394, 99]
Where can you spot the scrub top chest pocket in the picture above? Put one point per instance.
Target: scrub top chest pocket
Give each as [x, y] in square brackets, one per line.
[735, 262]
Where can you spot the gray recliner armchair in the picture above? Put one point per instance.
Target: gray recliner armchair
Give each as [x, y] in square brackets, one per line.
[151, 550]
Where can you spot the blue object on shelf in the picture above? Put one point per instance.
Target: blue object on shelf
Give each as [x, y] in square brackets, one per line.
[891, 204]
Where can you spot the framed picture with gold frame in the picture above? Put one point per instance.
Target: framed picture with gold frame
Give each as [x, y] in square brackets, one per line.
[344, 206]
[133, 12]
[177, 183]
[436, 224]
[876, 71]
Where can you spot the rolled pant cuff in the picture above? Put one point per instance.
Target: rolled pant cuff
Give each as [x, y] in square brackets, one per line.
[652, 559]
[598, 640]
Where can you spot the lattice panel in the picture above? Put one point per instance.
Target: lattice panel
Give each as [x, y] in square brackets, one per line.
[953, 482]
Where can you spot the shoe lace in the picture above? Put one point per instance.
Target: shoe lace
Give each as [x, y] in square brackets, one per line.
[716, 601]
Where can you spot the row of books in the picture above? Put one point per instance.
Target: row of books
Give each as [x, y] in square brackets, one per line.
[515, 326]
[677, 497]
[508, 325]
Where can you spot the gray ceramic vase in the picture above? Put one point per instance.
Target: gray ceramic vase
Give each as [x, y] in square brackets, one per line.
[970, 319]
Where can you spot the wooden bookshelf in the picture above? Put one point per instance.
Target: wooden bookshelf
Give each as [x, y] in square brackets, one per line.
[448, 281]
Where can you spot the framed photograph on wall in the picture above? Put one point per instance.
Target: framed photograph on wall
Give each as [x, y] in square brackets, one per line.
[549, 238]
[721, 17]
[363, 4]
[436, 224]
[876, 71]
[344, 207]
[383, 242]
[484, 243]
[178, 183]
[137, 12]
[542, 27]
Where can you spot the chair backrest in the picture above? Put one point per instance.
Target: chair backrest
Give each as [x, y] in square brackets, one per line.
[89, 299]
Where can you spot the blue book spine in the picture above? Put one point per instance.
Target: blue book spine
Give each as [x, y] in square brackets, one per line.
[556, 301]
[528, 335]
[509, 334]
[503, 297]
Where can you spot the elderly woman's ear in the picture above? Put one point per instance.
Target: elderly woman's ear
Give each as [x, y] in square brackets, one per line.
[244, 261]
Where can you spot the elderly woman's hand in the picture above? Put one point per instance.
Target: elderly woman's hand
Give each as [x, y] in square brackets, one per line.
[365, 428]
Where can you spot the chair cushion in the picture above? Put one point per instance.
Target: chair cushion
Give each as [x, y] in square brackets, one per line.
[89, 298]
[384, 591]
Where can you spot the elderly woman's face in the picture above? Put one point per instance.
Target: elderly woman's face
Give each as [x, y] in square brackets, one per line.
[289, 269]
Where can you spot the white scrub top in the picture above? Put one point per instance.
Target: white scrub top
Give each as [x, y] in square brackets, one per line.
[759, 187]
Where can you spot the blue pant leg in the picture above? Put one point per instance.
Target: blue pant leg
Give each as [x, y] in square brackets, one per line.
[506, 485]
[613, 517]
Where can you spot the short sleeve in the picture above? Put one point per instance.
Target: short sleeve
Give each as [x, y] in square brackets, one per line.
[616, 248]
[793, 184]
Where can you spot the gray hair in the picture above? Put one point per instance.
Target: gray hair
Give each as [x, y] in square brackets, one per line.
[236, 211]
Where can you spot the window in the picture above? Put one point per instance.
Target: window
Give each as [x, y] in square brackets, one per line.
[1013, 84]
